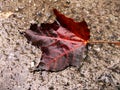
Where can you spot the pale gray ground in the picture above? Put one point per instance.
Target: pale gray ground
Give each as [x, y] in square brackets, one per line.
[99, 71]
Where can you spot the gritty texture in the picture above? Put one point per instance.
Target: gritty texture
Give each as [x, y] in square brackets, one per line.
[99, 71]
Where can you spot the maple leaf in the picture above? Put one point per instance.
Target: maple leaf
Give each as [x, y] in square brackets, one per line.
[62, 42]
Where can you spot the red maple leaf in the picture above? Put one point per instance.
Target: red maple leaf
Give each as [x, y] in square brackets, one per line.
[62, 42]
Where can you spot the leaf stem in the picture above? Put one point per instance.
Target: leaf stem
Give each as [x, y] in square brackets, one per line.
[109, 42]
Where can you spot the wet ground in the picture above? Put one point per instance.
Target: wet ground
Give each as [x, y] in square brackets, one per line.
[99, 71]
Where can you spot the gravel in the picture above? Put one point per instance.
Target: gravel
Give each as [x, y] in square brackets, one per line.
[99, 71]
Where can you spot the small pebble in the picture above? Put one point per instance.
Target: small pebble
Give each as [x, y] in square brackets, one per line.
[11, 56]
[16, 9]
[21, 7]
[32, 64]
[32, 21]
[30, 1]
[97, 49]
[55, 0]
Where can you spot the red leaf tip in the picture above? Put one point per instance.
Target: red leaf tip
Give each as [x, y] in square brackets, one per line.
[80, 29]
